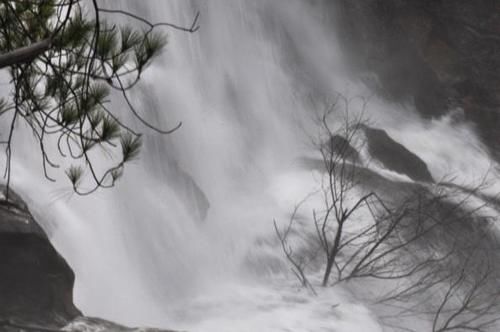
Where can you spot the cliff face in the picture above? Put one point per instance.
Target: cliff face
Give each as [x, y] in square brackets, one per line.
[36, 283]
[438, 54]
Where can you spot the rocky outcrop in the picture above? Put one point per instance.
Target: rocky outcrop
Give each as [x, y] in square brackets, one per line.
[436, 54]
[36, 283]
[395, 156]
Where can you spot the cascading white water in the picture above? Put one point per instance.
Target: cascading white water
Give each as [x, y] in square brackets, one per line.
[242, 87]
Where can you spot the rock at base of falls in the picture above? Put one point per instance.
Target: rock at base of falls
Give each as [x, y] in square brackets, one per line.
[36, 283]
[395, 156]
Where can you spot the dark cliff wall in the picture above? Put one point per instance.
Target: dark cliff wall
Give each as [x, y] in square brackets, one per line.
[437, 54]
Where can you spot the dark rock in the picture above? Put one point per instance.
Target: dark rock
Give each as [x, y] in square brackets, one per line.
[377, 44]
[436, 54]
[36, 283]
[341, 147]
[395, 156]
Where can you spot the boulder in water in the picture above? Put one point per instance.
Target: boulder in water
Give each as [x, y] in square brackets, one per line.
[395, 156]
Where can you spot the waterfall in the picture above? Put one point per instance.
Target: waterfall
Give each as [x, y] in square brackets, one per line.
[170, 245]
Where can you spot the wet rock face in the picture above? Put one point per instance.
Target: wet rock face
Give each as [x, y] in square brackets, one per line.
[394, 156]
[377, 44]
[436, 54]
[36, 283]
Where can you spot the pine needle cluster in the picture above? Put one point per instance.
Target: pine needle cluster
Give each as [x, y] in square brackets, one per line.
[65, 58]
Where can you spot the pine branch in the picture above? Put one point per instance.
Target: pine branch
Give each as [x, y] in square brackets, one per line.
[24, 54]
